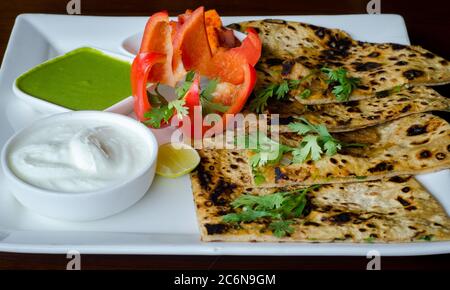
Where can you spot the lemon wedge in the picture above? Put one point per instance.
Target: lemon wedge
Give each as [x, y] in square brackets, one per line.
[176, 159]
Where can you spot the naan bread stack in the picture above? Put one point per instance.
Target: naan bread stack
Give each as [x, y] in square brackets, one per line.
[361, 193]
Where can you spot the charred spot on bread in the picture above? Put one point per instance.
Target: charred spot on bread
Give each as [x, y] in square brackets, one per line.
[221, 192]
[396, 46]
[406, 108]
[366, 66]
[416, 129]
[440, 156]
[428, 55]
[204, 176]
[287, 66]
[412, 74]
[273, 61]
[380, 167]
[275, 21]
[279, 174]
[424, 154]
[399, 179]
[215, 229]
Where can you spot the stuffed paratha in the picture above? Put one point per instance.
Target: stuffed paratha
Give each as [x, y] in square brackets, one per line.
[394, 210]
[353, 115]
[293, 50]
[411, 145]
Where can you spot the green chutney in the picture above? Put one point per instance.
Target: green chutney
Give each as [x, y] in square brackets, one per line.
[83, 79]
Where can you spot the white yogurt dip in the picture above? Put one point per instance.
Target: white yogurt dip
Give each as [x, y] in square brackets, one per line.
[78, 156]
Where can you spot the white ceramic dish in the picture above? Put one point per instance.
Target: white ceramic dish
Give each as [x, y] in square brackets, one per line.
[124, 107]
[84, 206]
[130, 46]
[163, 221]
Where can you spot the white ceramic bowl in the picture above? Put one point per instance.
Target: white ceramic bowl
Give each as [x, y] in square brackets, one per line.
[123, 107]
[84, 206]
[131, 44]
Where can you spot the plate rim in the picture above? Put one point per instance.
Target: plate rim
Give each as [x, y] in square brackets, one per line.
[210, 248]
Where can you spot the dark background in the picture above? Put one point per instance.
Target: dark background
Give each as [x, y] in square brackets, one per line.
[428, 25]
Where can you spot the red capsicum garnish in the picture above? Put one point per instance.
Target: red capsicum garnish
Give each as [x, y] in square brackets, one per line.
[140, 70]
[169, 49]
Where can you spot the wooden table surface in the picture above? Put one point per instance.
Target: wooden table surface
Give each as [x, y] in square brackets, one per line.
[428, 25]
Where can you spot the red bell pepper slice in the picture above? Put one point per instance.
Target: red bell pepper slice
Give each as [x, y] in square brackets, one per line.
[250, 48]
[225, 64]
[140, 70]
[244, 90]
[158, 38]
[192, 102]
[169, 48]
[190, 45]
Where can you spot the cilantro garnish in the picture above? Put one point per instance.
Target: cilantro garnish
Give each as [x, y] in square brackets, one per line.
[206, 99]
[258, 177]
[427, 238]
[370, 240]
[183, 89]
[206, 95]
[280, 91]
[342, 84]
[316, 140]
[280, 207]
[281, 228]
[157, 115]
[267, 151]
[162, 110]
[305, 94]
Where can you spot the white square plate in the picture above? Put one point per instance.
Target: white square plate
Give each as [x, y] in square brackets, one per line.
[164, 221]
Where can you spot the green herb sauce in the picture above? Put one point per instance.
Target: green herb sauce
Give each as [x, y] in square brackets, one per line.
[83, 79]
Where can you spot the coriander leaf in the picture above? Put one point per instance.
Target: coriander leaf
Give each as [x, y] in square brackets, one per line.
[299, 128]
[245, 216]
[397, 89]
[264, 202]
[331, 147]
[309, 147]
[156, 99]
[305, 94]
[427, 238]
[293, 84]
[342, 84]
[209, 90]
[258, 177]
[316, 140]
[178, 105]
[281, 90]
[265, 149]
[206, 99]
[183, 89]
[259, 103]
[322, 130]
[211, 107]
[369, 240]
[156, 116]
[190, 76]
[279, 207]
[281, 228]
